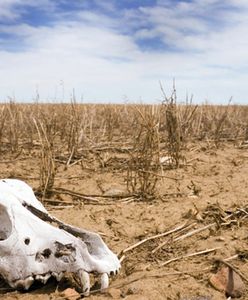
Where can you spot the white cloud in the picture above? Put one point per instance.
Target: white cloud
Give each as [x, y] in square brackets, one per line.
[91, 55]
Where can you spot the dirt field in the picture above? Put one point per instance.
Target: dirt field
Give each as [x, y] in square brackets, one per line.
[209, 188]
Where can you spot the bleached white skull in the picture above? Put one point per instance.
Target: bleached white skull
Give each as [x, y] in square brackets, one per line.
[32, 249]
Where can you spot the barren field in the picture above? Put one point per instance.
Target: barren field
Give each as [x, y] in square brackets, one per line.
[197, 209]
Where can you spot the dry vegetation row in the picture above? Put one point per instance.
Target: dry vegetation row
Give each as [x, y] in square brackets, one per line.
[180, 172]
[150, 135]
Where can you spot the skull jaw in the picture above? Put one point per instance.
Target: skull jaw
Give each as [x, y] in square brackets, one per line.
[31, 249]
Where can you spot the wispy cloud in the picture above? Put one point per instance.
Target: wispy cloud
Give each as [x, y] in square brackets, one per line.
[13, 10]
[108, 51]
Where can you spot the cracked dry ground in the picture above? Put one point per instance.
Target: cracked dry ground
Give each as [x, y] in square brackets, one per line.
[211, 186]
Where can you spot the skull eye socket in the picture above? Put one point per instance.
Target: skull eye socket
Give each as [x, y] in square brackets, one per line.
[6, 225]
[27, 241]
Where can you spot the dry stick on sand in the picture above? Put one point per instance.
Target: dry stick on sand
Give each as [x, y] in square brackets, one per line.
[76, 162]
[93, 199]
[182, 237]
[241, 255]
[70, 157]
[58, 202]
[72, 193]
[231, 257]
[165, 242]
[152, 238]
[189, 255]
[188, 234]
[205, 227]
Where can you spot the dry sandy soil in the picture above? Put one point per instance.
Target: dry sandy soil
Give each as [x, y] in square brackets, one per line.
[211, 186]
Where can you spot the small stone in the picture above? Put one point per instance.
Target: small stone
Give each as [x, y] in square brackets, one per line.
[219, 280]
[160, 228]
[109, 222]
[70, 294]
[114, 293]
[229, 282]
[220, 239]
[115, 191]
[132, 291]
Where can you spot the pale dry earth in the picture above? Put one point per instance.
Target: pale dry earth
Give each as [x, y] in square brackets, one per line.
[210, 179]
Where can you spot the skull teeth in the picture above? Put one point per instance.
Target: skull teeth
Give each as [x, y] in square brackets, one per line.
[24, 283]
[84, 281]
[58, 276]
[28, 282]
[104, 281]
[43, 278]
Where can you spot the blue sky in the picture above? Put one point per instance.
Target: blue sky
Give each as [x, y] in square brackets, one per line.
[120, 50]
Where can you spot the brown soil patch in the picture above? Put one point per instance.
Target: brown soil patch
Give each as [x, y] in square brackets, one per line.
[212, 186]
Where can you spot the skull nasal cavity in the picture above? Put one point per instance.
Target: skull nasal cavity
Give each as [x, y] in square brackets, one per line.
[46, 253]
[6, 226]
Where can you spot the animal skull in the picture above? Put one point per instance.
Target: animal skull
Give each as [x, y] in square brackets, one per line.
[32, 249]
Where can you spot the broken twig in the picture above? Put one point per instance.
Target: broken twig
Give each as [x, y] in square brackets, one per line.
[152, 238]
[188, 234]
[189, 255]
